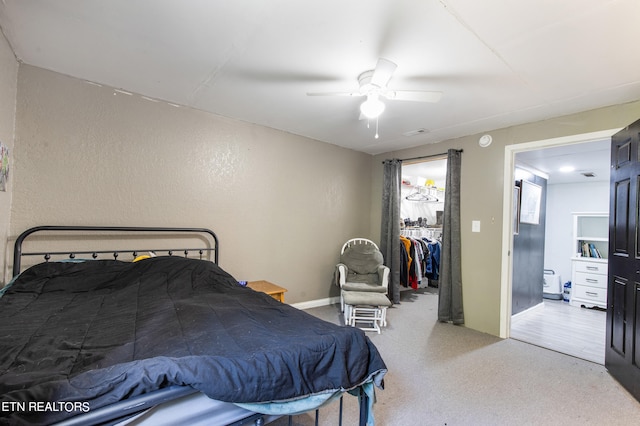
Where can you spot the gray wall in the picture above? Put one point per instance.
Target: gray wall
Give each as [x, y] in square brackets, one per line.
[282, 205]
[8, 90]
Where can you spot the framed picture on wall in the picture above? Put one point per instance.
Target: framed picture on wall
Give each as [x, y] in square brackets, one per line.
[530, 199]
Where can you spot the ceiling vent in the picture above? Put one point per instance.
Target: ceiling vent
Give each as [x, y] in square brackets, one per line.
[415, 132]
[588, 174]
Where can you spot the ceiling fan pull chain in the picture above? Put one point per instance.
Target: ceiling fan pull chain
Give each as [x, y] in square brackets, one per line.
[376, 136]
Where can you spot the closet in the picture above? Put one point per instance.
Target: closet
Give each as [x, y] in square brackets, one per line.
[421, 209]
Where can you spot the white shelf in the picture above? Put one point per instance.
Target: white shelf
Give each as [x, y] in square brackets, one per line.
[592, 229]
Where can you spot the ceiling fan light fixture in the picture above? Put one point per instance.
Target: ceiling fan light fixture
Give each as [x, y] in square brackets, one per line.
[372, 107]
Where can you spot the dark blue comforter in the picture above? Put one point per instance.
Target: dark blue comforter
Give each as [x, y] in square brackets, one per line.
[96, 332]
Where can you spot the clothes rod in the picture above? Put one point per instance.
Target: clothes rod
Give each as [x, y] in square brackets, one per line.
[427, 156]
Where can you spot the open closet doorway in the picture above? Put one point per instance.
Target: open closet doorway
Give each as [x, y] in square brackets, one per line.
[554, 313]
[421, 210]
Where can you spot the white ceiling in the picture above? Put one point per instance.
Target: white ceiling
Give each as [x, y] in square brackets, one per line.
[591, 158]
[498, 62]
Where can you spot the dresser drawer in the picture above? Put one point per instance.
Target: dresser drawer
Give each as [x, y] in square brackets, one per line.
[591, 267]
[590, 279]
[593, 294]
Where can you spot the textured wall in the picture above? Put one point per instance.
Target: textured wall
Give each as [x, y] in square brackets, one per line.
[282, 205]
[8, 87]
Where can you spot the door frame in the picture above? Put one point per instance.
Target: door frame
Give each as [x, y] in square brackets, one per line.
[510, 152]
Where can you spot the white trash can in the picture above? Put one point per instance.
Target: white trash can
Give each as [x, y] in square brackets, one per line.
[551, 287]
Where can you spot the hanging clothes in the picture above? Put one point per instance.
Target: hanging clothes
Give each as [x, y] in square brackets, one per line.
[424, 257]
[413, 276]
[432, 269]
[404, 265]
[418, 260]
[415, 253]
[406, 244]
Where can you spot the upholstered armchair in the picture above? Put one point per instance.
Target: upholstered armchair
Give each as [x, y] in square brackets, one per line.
[361, 269]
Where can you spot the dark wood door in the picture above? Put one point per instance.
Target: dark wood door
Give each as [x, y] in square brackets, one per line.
[622, 354]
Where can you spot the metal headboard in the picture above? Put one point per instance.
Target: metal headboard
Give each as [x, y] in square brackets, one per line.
[209, 235]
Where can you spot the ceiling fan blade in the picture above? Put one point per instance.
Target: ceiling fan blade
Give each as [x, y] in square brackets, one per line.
[413, 95]
[383, 72]
[334, 94]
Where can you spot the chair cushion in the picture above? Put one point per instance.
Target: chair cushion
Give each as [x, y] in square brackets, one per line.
[362, 259]
[373, 279]
[365, 298]
[360, 286]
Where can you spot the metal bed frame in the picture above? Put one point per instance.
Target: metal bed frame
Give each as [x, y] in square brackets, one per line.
[122, 411]
[47, 255]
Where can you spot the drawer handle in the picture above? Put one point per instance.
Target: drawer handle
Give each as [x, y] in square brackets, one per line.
[591, 280]
[593, 268]
[591, 293]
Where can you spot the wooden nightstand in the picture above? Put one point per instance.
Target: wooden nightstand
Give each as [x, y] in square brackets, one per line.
[271, 289]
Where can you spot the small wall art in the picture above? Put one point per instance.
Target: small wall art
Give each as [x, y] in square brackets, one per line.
[530, 199]
[4, 167]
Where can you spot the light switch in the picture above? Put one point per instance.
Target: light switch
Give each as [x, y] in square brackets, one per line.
[475, 226]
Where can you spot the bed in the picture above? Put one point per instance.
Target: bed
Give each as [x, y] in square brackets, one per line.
[94, 340]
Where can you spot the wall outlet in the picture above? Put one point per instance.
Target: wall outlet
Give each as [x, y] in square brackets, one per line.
[475, 226]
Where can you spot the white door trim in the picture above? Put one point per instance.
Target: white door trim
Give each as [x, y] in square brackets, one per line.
[510, 152]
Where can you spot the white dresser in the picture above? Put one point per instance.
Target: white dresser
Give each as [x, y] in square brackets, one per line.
[589, 264]
[589, 282]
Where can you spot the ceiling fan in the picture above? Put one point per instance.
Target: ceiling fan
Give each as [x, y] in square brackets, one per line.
[373, 85]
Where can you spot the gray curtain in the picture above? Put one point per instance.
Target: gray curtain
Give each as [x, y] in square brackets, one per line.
[450, 289]
[390, 231]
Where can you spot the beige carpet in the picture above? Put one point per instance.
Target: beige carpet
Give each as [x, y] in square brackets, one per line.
[441, 374]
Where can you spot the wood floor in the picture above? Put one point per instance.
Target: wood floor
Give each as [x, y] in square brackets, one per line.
[556, 325]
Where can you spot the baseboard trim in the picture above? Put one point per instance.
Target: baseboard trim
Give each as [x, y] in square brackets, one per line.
[316, 303]
[539, 305]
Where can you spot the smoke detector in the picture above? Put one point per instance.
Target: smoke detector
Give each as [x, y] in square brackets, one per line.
[485, 141]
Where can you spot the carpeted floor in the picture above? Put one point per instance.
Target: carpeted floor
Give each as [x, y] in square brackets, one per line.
[441, 374]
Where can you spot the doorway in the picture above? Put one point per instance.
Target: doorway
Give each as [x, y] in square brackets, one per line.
[511, 154]
[421, 212]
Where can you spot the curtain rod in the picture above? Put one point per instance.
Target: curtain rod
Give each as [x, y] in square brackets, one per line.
[427, 156]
